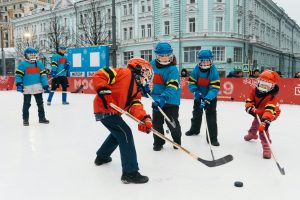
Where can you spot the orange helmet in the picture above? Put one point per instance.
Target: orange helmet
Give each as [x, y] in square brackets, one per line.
[142, 69]
[267, 80]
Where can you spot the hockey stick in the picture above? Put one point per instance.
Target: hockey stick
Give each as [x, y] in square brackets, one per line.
[209, 163]
[57, 75]
[173, 124]
[281, 169]
[208, 136]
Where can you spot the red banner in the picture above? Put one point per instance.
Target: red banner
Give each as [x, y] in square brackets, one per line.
[232, 89]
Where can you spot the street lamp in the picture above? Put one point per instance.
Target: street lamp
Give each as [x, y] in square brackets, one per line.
[27, 36]
[2, 51]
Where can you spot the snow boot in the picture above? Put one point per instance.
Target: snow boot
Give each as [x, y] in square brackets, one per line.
[133, 177]
[25, 122]
[43, 121]
[266, 150]
[250, 136]
[190, 133]
[100, 161]
[157, 147]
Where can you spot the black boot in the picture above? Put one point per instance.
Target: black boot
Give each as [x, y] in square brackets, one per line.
[134, 177]
[100, 161]
[215, 143]
[157, 147]
[25, 122]
[190, 133]
[43, 121]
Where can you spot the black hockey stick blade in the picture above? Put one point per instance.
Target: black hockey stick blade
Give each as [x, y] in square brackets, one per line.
[281, 169]
[218, 162]
[78, 89]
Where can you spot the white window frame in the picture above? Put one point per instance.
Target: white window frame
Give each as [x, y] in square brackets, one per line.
[147, 54]
[190, 54]
[143, 31]
[190, 24]
[149, 30]
[167, 28]
[219, 24]
[238, 54]
[219, 53]
[127, 55]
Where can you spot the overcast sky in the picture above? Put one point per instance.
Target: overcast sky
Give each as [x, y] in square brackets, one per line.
[291, 7]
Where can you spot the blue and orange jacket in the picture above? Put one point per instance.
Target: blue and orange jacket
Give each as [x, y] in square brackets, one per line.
[30, 73]
[166, 83]
[208, 82]
[267, 104]
[58, 62]
[125, 93]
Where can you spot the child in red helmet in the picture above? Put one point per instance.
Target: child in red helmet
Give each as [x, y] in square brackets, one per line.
[263, 102]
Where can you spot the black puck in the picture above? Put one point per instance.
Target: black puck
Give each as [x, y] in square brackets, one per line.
[238, 184]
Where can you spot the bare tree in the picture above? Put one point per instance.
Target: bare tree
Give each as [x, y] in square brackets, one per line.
[58, 34]
[93, 28]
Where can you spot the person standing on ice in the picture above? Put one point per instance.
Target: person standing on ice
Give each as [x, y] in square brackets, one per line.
[166, 93]
[122, 87]
[263, 102]
[31, 79]
[59, 70]
[204, 83]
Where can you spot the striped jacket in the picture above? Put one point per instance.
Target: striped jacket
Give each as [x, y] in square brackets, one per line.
[208, 83]
[125, 93]
[166, 83]
[58, 62]
[268, 105]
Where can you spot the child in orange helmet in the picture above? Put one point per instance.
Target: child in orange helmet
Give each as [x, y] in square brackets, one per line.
[122, 87]
[263, 102]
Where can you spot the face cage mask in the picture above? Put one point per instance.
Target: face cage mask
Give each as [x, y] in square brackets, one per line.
[144, 76]
[264, 86]
[205, 66]
[30, 55]
[164, 62]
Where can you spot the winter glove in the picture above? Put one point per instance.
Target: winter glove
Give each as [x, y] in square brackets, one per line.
[145, 90]
[204, 104]
[105, 95]
[198, 95]
[146, 125]
[253, 111]
[46, 88]
[67, 66]
[264, 126]
[159, 103]
[20, 87]
[53, 74]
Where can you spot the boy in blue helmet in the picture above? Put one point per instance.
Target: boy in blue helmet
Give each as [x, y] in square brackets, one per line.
[31, 79]
[166, 93]
[204, 83]
[59, 69]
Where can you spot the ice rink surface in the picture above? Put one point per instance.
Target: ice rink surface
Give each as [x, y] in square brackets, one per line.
[56, 161]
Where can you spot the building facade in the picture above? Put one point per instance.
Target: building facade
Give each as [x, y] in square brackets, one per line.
[243, 34]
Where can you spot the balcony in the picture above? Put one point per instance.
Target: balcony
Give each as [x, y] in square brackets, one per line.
[145, 15]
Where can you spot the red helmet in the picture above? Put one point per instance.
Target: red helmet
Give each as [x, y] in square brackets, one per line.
[142, 68]
[267, 80]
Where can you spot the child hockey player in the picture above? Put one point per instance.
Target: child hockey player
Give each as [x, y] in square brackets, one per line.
[166, 93]
[59, 70]
[122, 86]
[263, 102]
[31, 79]
[204, 83]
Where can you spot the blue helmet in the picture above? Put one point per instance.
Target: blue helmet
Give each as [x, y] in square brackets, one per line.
[62, 47]
[205, 54]
[163, 48]
[30, 51]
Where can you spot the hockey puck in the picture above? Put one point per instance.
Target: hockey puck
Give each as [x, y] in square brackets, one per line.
[238, 184]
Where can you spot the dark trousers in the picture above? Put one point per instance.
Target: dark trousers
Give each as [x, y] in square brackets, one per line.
[120, 135]
[39, 103]
[172, 111]
[211, 118]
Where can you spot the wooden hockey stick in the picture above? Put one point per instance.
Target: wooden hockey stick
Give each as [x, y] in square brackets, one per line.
[209, 163]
